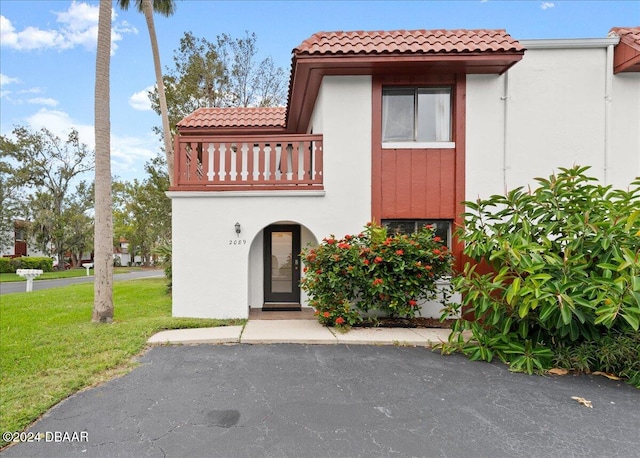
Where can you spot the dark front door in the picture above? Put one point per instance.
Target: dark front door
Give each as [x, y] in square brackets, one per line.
[282, 267]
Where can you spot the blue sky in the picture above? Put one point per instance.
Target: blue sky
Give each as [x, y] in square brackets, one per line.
[47, 49]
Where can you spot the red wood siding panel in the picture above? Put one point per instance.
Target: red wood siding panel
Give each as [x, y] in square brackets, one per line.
[418, 183]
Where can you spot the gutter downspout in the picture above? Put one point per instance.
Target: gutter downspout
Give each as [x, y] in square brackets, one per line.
[505, 128]
[608, 93]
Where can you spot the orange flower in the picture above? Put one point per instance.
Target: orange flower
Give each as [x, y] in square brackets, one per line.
[437, 239]
[326, 314]
[377, 281]
[413, 303]
[339, 320]
[378, 260]
[399, 252]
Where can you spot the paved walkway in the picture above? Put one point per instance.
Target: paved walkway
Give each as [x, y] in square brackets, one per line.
[301, 332]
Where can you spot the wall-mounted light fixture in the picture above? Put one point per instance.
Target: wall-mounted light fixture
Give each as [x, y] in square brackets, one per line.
[238, 229]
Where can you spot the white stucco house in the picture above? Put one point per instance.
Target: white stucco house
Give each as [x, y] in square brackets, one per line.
[19, 243]
[399, 127]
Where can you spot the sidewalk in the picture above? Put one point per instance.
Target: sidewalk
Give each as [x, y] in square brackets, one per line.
[300, 332]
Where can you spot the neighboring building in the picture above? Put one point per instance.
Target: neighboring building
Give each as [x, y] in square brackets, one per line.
[398, 127]
[23, 245]
[121, 251]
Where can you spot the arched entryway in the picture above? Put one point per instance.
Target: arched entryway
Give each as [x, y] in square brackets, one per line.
[275, 267]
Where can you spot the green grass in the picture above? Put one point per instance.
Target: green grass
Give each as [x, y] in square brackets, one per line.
[49, 348]
[71, 273]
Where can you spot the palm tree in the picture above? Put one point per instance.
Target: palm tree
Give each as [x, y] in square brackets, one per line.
[103, 232]
[166, 8]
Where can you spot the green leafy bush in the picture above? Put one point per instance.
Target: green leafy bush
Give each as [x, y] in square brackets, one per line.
[6, 267]
[614, 353]
[566, 269]
[29, 262]
[164, 251]
[349, 278]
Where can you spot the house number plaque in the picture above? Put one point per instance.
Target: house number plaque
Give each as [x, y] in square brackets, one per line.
[237, 242]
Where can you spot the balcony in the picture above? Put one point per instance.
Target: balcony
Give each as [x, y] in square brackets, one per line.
[248, 163]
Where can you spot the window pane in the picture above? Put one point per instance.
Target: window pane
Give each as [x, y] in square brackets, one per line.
[281, 273]
[443, 229]
[434, 115]
[397, 115]
[399, 227]
[408, 226]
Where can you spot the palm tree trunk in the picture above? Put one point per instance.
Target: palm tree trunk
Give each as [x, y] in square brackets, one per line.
[147, 8]
[103, 233]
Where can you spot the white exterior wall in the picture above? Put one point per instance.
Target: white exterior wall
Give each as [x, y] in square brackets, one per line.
[624, 160]
[218, 274]
[555, 117]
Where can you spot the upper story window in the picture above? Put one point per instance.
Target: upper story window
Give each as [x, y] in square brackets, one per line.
[417, 116]
[20, 234]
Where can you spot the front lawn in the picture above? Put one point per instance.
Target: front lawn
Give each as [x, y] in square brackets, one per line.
[80, 272]
[49, 348]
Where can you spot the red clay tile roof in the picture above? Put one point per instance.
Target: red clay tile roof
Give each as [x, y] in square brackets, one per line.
[236, 117]
[378, 44]
[408, 42]
[627, 52]
[629, 34]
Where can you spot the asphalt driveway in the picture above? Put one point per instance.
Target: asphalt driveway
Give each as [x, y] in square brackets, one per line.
[337, 401]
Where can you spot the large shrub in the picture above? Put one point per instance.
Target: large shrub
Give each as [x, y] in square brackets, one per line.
[32, 262]
[349, 278]
[5, 266]
[566, 269]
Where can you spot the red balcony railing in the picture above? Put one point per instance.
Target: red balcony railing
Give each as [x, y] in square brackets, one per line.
[248, 163]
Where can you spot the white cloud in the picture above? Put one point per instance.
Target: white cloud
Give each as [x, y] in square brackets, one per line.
[128, 154]
[4, 79]
[60, 124]
[48, 101]
[33, 90]
[546, 5]
[140, 100]
[78, 27]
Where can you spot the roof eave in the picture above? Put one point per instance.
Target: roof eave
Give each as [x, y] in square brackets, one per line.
[231, 130]
[626, 57]
[308, 71]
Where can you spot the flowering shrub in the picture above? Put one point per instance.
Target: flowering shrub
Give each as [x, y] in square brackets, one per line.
[371, 271]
